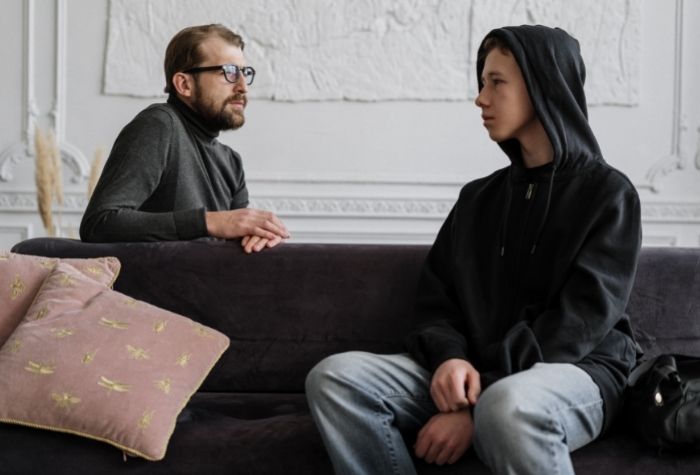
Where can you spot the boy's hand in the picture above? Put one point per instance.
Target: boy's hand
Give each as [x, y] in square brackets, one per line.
[445, 437]
[456, 385]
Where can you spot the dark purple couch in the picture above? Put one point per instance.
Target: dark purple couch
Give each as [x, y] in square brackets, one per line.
[287, 308]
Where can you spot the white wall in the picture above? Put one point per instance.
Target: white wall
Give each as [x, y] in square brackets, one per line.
[374, 170]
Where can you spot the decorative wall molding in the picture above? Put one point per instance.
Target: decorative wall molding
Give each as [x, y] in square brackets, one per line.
[18, 151]
[344, 207]
[10, 157]
[356, 207]
[676, 160]
[697, 152]
[71, 155]
[24, 231]
[660, 241]
[25, 201]
[671, 212]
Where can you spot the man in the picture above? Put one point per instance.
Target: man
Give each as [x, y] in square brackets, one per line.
[524, 348]
[168, 177]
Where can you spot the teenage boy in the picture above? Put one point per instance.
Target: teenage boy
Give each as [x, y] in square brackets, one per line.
[524, 347]
[168, 177]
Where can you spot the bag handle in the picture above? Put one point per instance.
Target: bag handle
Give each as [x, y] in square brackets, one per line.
[664, 366]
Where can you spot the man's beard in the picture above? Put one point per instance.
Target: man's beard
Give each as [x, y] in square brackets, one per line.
[223, 118]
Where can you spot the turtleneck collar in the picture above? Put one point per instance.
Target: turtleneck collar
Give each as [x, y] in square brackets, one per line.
[192, 118]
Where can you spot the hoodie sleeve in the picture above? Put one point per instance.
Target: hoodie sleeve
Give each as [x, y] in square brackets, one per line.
[132, 173]
[440, 335]
[592, 301]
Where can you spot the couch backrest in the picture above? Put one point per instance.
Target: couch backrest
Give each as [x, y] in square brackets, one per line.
[288, 307]
[284, 309]
[665, 301]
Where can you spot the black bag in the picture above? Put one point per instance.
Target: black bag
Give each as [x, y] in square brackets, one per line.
[662, 402]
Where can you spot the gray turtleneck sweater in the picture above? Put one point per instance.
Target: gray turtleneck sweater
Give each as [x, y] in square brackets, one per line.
[165, 170]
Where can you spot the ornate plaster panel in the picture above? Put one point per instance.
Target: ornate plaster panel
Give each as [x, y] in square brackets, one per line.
[370, 50]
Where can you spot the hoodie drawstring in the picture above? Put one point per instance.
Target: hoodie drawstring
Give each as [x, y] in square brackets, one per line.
[546, 211]
[506, 212]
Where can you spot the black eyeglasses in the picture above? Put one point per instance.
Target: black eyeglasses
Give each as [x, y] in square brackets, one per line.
[232, 73]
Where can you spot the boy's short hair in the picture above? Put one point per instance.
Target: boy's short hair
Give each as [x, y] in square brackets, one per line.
[183, 51]
[491, 43]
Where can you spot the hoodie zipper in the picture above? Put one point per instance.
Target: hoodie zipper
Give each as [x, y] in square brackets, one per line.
[529, 195]
[519, 253]
[530, 189]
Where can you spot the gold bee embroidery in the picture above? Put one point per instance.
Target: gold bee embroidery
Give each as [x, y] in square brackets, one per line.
[164, 385]
[65, 400]
[129, 302]
[47, 264]
[137, 353]
[62, 332]
[39, 368]
[66, 281]
[4, 257]
[13, 346]
[16, 288]
[93, 270]
[201, 331]
[113, 385]
[114, 324]
[145, 421]
[159, 327]
[41, 313]
[89, 357]
[183, 359]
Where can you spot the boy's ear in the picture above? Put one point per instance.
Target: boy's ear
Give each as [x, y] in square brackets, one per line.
[183, 84]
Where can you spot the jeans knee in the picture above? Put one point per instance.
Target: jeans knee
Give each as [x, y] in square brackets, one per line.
[495, 409]
[504, 417]
[329, 373]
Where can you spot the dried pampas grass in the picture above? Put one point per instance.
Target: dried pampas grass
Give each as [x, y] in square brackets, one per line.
[44, 179]
[95, 170]
[48, 176]
[57, 168]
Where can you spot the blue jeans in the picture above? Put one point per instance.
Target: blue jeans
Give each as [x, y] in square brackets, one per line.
[526, 423]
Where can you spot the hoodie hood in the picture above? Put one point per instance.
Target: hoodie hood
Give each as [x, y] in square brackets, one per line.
[554, 72]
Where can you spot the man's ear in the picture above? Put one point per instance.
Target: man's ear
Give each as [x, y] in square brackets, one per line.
[183, 84]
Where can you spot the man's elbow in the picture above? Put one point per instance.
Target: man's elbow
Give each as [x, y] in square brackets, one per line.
[93, 229]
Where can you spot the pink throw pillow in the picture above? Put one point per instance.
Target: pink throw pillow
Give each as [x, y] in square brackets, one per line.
[91, 361]
[21, 277]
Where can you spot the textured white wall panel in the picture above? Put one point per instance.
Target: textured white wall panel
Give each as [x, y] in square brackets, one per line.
[608, 33]
[369, 50]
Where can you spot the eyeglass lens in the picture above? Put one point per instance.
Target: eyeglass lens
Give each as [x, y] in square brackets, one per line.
[233, 72]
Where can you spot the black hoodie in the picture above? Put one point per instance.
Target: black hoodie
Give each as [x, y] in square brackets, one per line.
[536, 265]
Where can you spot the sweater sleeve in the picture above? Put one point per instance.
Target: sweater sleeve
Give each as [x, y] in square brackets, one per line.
[240, 198]
[132, 173]
[440, 334]
[592, 301]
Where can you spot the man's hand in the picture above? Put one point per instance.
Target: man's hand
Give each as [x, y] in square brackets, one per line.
[445, 437]
[257, 244]
[245, 222]
[456, 385]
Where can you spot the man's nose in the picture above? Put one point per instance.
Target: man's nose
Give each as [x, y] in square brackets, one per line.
[240, 86]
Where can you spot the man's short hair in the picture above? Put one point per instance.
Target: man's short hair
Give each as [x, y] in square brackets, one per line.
[183, 50]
